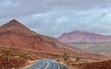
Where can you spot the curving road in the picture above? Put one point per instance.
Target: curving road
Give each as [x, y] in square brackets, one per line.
[47, 64]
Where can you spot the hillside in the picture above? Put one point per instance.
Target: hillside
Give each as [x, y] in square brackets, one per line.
[16, 35]
[103, 48]
[83, 36]
[95, 64]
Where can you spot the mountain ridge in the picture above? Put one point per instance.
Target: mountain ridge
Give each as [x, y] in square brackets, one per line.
[83, 36]
[16, 35]
[17, 27]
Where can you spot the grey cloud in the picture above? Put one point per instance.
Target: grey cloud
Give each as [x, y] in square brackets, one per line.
[54, 23]
[13, 8]
[53, 17]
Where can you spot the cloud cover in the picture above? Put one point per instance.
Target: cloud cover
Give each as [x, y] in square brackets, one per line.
[54, 17]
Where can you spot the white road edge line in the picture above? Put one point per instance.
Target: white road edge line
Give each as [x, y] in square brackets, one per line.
[61, 65]
[58, 66]
[47, 65]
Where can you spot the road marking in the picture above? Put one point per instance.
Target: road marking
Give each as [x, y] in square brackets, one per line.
[39, 66]
[61, 66]
[47, 65]
[58, 66]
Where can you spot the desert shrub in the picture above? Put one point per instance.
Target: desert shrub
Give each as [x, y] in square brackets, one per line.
[77, 59]
[65, 57]
[9, 59]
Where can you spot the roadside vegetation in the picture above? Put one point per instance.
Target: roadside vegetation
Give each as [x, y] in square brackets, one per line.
[65, 56]
[79, 63]
[12, 60]
[94, 64]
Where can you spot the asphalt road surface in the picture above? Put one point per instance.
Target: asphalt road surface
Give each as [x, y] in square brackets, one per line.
[47, 64]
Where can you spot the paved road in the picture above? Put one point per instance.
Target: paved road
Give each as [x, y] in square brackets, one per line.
[47, 64]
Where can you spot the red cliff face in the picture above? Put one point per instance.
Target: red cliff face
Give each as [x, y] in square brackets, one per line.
[16, 35]
[78, 36]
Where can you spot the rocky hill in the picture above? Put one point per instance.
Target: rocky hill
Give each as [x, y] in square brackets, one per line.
[15, 35]
[103, 48]
[82, 36]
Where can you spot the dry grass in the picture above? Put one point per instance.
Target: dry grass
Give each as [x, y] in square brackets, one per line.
[97, 64]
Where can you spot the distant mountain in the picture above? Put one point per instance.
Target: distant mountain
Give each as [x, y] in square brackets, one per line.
[103, 48]
[15, 35]
[82, 36]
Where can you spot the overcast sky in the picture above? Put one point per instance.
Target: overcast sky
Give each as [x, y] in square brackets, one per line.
[54, 17]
